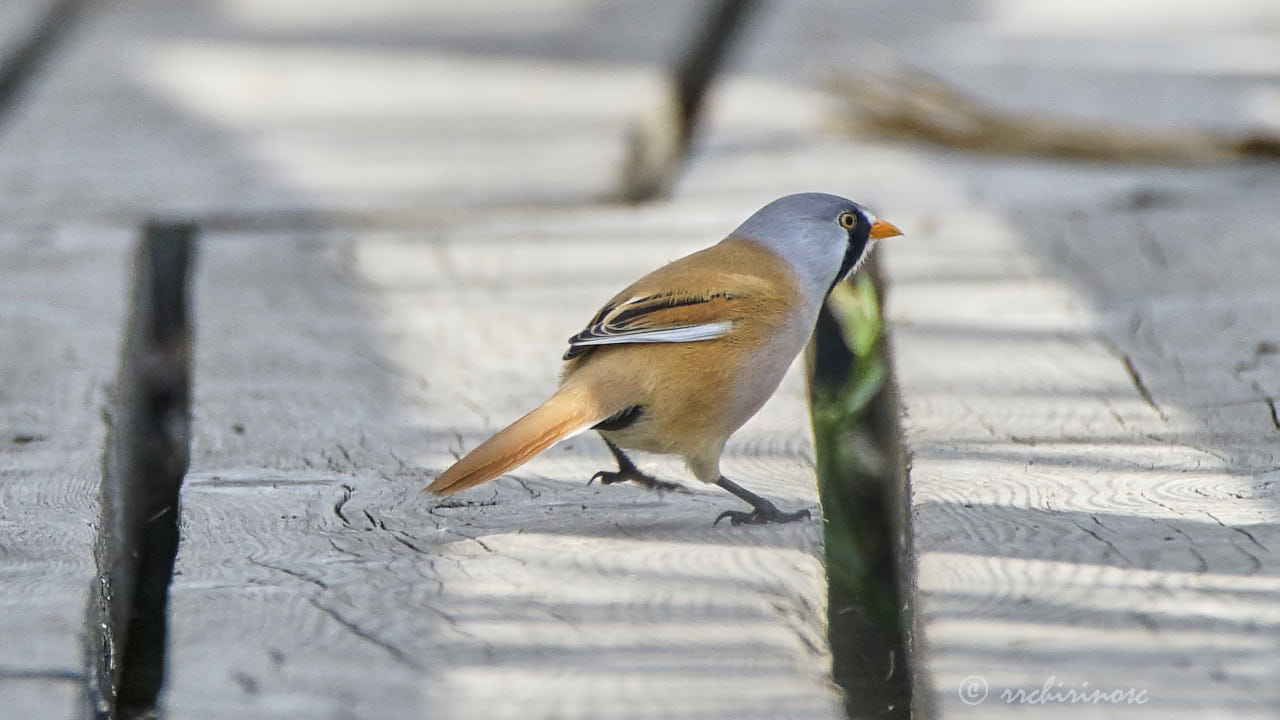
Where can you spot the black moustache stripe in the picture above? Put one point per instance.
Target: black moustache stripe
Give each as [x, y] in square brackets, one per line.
[852, 251]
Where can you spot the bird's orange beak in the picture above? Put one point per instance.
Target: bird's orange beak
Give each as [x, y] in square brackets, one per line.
[881, 230]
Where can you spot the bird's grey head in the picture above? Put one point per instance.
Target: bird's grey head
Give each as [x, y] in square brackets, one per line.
[823, 237]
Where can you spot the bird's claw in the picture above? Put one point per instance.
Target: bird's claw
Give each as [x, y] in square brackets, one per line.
[760, 516]
[609, 477]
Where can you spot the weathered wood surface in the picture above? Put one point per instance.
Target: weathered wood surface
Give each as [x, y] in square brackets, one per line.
[1086, 358]
[381, 295]
[388, 109]
[1069, 521]
[62, 302]
[317, 580]
[377, 292]
[62, 306]
[1064, 526]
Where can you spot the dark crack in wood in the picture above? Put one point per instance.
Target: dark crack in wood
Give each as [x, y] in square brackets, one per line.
[145, 459]
[659, 142]
[337, 507]
[396, 653]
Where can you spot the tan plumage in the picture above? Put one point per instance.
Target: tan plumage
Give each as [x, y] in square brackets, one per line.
[688, 413]
[678, 361]
[693, 404]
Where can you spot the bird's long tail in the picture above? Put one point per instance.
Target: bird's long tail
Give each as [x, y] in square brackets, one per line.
[568, 412]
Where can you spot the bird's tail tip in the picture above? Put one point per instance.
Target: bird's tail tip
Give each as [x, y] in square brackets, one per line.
[564, 415]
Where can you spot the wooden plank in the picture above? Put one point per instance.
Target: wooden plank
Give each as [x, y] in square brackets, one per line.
[1022, 583]
[740, 618]
[1084, 358]
[316, 580]
[62, 304]
[298, 124]
[393, 109]
[61, 340]
[1067, 530]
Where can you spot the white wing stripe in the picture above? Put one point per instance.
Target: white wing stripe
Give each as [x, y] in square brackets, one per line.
[690, 333]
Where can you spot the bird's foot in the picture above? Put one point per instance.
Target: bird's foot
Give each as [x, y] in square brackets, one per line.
[609, 477]
[760, 515]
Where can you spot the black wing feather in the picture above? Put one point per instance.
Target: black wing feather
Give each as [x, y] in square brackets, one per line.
[616, 320]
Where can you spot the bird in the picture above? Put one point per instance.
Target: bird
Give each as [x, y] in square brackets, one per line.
[680, 359]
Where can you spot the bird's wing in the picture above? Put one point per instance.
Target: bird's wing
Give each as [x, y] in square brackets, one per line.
[666, 317]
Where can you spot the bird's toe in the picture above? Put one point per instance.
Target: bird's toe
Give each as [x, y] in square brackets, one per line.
[760, 516]
[609, 477]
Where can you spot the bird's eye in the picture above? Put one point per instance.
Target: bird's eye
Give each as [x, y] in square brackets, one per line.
[847, 220]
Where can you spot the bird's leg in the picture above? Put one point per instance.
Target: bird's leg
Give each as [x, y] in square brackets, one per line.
[627, 470]
[762, 511]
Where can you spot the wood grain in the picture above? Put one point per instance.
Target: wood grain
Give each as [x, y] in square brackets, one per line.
[316, 579]
[1092, 456]
[60, 351]
[1085, 355]
[1092, 474]
[389, 112]
[328, 396]
[63, 294]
